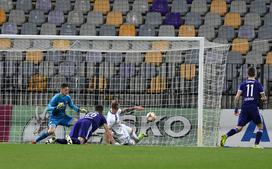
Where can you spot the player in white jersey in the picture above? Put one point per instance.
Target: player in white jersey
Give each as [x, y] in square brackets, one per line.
[122, 133]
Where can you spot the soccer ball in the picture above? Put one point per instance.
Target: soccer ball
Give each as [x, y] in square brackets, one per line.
[150, 117]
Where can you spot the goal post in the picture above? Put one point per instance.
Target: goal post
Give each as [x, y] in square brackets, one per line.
[180, 79]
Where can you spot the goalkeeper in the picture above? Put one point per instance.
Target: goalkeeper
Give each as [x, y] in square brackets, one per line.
[57, 114]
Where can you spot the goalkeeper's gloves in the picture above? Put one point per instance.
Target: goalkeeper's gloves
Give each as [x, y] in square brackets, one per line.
[60, 106]
[82, 110]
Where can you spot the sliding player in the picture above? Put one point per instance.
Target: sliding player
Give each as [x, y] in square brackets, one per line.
[251, 90]
[57, 114]
[84, 127]
[123, 134]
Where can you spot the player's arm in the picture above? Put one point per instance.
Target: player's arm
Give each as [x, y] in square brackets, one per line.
[74, 107]
[236, 102]
[263, 96]
[108, 134]
[138, 108]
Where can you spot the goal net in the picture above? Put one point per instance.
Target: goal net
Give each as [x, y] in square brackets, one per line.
[179, 79]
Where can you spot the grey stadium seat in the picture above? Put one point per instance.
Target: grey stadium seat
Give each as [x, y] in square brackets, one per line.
[48, 29]
[253, 19]
[199, 6]
[180, 6]
[238, 7]
[258, 7]
[254, 57]
[25, 5]
[193, 18]
[121, 6]
[68, 29]
[29, 29]
[107, 30]
[246, 31]
[94, 57]
[87, 30]
[221, 40]
[37, 17]
[63, 5]
[44, 5]
[167, 30]
[260, 46]
[41, 44]
[82, 6]
[206, 31]
[134, 58]
[17, 17]
[213, 19]
[122, 45]
[75, 18]
[234, 58]
[226, 32]
[101, 45]
[147, 30]
[265, 32]
[6, 5]
[56, 17]
[21, 44]
[140, 6]
[268, 19]
[95, 18]
[153, 18]
[9, 28]
[134, 17]
[67, 69]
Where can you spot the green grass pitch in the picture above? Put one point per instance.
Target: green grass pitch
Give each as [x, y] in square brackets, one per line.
[26, 156]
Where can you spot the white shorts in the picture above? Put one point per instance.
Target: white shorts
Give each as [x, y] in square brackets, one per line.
[123, 137]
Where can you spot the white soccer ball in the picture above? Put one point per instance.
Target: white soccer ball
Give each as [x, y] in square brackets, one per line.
[150, 117]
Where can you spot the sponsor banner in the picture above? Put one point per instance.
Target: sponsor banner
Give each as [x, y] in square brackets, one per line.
[246, 137]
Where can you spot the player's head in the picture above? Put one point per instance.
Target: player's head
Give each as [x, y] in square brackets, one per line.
[114, 105]
[99, 109]
[251, 72]
[64, 89]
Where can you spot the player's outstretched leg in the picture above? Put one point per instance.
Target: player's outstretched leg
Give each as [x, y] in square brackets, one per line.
[229, 134]
[258, 136]
[41, 136]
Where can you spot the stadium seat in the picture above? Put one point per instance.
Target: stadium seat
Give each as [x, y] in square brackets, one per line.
[193, 19]
[157, 85]
[3, 16]
[238, 7]
[61, 44]
[160, 6]
[212, 19]
[147, 30]
[120, 46]
[107, 30]
[94, 57]
[102, 84]
[265, 32]
[41, 44]
[5, 43]
[140, 45]
[173, 19]
[102, 6]
[187, 71]
[240, 45]
[199, 6]
[247, 32]
[37, 83]
[260, 46]
[179, 6]
[82, 6]
[46, 68]
[9, 28]
[233, 20]
[25, 5]
[35, 57]
[268, 19]
[17, 17]
[75, 18]
[140, 6]
[37, 17]
[127, 30]
[121, 6]
[44, 5]
[160, 45]
[67, 69]
[220, 40]
[167, 30]
[56, 17]
[87, 30]
[187, 31]
[48, 29]
[95, 18]
[269, 58]
[135, 18]
[113, 57]
[68, 29]
[226, 32]
[234, 58]
[101, 45]
[206, 31]
[63, 5]
[173, 57]
[258, 7]
[29, 29]
[6, 5]
[253, 19]
[219, 7]
[153, 57]
[136, 58]
[107, 70]
[114, 18]
[254, 57]
[21, 44]
[153, 18]
[127, 70]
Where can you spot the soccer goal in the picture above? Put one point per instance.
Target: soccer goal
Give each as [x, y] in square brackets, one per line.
[179, 79]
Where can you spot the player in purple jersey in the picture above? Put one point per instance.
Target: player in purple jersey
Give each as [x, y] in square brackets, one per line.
[251, 90]
[84, 127]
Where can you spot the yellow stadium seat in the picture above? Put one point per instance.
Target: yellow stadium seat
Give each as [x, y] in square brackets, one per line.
[188, 71]
[240, 45]
[35, 57]
[160, 45]
[187, 31]
[61, 44]
[219, 7]
[3, 16]
[37, 83]
[233, 19]
[269, 58]
[102, 84]
[102, 6]
[114, 18]
[157, 84]
[153, 57]
[127, 30]
[5, 43]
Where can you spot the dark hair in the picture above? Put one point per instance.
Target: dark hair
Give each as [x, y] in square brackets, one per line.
[114, 104]
[99, 108]
[64, 85]
[251, 72]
